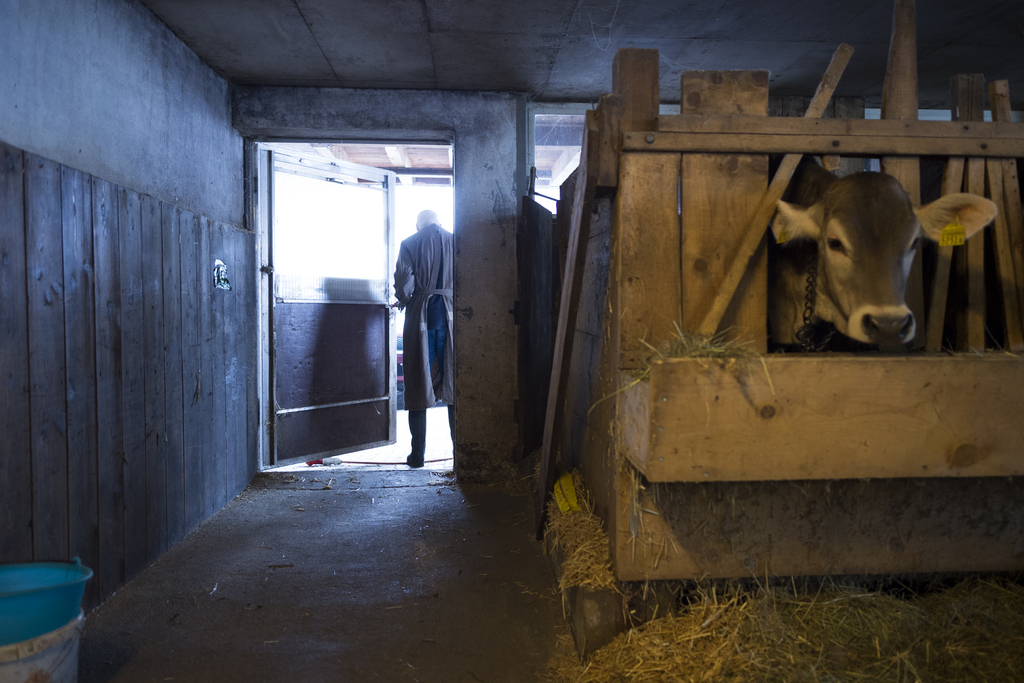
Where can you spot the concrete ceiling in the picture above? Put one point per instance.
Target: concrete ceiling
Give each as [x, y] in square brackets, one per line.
[561, 50]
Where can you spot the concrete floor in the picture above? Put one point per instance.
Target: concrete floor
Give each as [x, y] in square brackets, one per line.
[388, 575]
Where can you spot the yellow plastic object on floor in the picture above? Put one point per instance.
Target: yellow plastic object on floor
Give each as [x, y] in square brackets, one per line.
[565, 494]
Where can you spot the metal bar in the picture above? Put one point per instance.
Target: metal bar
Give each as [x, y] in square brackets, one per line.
[331, 301]
[306, 409]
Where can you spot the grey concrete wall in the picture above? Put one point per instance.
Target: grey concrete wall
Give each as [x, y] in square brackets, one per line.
[488, 172]
[104, 87]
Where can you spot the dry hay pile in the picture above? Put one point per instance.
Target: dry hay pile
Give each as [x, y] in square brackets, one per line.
[971, 632]
[580, 535]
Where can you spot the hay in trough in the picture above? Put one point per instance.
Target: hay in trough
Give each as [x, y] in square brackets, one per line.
[717, 347]
[973, 631]
[581, 536]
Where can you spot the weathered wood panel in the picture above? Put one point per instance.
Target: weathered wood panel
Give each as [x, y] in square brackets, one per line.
[251, 326]
[234, 355]
[646, 226]
[109, 399]
[218, 301]
[80, 357]
[50, 525]
[174, 419]
[207, 335]
[720, 196]
[16, 465]
[133, 374]
[850, 526]
[832, 418]
[153, 355]
[194, 484]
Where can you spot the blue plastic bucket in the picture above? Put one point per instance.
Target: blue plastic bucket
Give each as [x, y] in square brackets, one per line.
[39, 597]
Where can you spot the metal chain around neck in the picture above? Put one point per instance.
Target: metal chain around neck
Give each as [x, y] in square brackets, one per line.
[805, 335]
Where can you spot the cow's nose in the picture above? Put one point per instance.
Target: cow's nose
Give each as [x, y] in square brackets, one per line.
[888, 329]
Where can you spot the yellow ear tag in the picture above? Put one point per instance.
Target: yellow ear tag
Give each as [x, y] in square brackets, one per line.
[953, 235]
[783, 236]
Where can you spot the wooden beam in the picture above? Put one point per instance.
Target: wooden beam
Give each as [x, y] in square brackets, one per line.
[845, 417]
[999, 101]
[994, 133]
[1004, 260]
[748, 247]
[635, 79]
[398, 156]
[565, 164]
[846, 145]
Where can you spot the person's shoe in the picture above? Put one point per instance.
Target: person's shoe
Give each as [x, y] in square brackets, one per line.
[414, 462]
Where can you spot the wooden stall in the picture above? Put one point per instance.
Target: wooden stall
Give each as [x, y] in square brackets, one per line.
[779, 465]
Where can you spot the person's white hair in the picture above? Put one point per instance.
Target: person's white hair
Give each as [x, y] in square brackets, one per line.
[426, 218]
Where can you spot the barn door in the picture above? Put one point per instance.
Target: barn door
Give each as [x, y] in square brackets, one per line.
[333, 347]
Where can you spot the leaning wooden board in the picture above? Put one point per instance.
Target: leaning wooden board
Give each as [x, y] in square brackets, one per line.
[836, 417]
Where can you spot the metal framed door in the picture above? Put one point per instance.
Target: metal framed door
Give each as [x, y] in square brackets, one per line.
[332, 355]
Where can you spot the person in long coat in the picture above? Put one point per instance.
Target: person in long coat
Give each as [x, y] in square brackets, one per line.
[423, 286]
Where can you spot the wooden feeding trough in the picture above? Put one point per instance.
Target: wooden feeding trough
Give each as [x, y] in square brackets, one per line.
[765, 465]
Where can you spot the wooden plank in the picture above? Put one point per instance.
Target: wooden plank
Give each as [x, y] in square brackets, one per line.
[80, 356]
[952, 182]
[849, 108]
[833, 418]
[720, 196]
[218, 372]
[609, 113]
[999, 99]
[133, 375]
[1004, 260]
[755, 232]
[193, 481]
[251, 327]
[976, 265]
[16, 465]
[48, 415]
[579, 234]
[646, 230]
[234, 348]
[900, 102]
[170, 227]
[846, 145]
[991, 134]
[726, 530]
[211, 480]
[153, 359]
[109, 396]
[635, 79]
[967, 99]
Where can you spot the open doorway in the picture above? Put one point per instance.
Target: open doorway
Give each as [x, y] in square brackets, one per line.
[334, 215]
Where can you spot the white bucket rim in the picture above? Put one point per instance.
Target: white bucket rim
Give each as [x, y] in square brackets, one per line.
[34, 646]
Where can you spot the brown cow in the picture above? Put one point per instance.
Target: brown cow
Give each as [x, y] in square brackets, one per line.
[862, 233]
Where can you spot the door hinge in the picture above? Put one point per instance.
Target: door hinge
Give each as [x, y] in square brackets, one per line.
[267, 269]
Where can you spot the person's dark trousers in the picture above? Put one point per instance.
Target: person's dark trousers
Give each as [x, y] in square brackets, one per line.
[418, 418]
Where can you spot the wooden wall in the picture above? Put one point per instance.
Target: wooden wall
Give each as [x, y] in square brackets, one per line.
[128, 410]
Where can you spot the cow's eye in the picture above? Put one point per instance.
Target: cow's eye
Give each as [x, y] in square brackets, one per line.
[836, 245]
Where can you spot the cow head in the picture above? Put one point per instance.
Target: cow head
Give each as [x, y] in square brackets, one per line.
[867, 234]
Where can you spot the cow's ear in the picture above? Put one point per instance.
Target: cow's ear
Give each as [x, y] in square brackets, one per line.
[974, 213]
[796, 222]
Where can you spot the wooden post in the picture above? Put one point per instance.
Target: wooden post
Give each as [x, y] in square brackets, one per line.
[635, 78]
[721, 194]
[999, 101]
[967, 92]
[899, 102]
